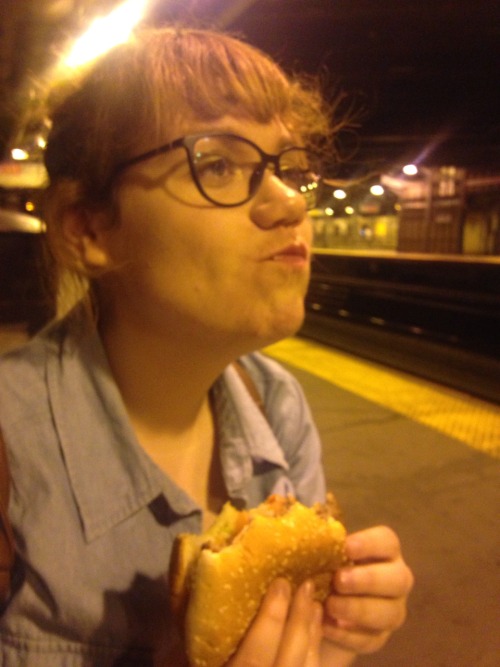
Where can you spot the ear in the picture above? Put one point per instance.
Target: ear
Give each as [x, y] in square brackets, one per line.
[83, 231]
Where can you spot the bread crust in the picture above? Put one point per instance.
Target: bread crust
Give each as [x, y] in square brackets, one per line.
[226, 586]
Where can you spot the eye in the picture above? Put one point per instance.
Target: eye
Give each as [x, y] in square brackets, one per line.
[215, 170]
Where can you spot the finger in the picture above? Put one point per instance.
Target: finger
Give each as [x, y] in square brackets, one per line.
[316, 638]
[260, 645]
[302, 633]
[369, 613]
[385, 579]
[356, 640]
[284, 633]
[378, 543]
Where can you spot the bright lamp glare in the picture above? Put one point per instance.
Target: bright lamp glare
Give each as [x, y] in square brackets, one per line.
[106, 32]
[19, 154]
[410, 170]
[339, 194]
[377, 190]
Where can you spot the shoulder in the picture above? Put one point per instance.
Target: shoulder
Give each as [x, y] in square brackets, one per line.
[27, 364]
[269, 375]
[280, 390]
[22, 369]
[292, 423]
[284, 400]
[24, 401]
[33, 352]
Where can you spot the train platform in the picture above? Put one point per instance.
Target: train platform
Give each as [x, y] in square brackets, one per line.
[424, 459]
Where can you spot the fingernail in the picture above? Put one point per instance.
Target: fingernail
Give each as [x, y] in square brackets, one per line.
[344, 577]
[308, 589]
[278, 598]
[354, 545]
[280, 588]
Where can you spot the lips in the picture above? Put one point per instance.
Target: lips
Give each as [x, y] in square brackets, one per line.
[298, 251]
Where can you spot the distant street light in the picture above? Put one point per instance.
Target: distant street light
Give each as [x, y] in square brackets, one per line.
[410, 170]
[19, 154]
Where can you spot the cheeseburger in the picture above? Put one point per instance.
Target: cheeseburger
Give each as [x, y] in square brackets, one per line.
[218, 579]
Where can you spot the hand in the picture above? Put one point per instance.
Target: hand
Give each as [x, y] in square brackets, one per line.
[286, 632]
[369, 601]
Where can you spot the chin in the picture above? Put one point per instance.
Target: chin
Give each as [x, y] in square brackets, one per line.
[281, 325]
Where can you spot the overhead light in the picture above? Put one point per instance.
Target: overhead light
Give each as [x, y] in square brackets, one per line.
[106, 32]
[339, 194]
[377, 190]
[19, 154]
[410, 170]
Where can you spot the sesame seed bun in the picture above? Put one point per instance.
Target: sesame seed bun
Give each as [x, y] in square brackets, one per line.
[218, 579]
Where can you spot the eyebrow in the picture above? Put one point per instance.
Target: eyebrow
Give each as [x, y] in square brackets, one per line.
[284, 142]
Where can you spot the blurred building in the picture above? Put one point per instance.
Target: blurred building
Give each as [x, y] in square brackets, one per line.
[438, 210]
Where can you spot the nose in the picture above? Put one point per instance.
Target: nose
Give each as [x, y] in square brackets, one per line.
[275, 204]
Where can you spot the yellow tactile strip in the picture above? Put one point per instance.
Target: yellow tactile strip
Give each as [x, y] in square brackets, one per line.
[470, 420]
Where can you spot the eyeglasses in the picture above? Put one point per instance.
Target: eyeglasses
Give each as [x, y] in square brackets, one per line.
[227, 169]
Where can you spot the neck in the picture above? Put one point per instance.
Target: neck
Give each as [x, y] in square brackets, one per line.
[164, 381]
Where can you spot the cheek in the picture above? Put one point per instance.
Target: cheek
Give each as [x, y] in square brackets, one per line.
[147, 232]
[174, 254]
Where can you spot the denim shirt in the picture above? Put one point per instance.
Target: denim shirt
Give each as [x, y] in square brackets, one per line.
[95, 518]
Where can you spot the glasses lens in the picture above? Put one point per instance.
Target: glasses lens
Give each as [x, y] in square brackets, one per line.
[300, 170]
[228, 169]
[223, 167]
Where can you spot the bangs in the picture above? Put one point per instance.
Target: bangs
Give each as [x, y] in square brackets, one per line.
[141, 94]
[220, 82]
[203, 76]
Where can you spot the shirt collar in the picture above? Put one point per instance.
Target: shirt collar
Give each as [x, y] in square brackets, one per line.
[246, 438]
[110, 475]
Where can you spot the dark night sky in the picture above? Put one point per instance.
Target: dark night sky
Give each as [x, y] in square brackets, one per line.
[425, 73]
